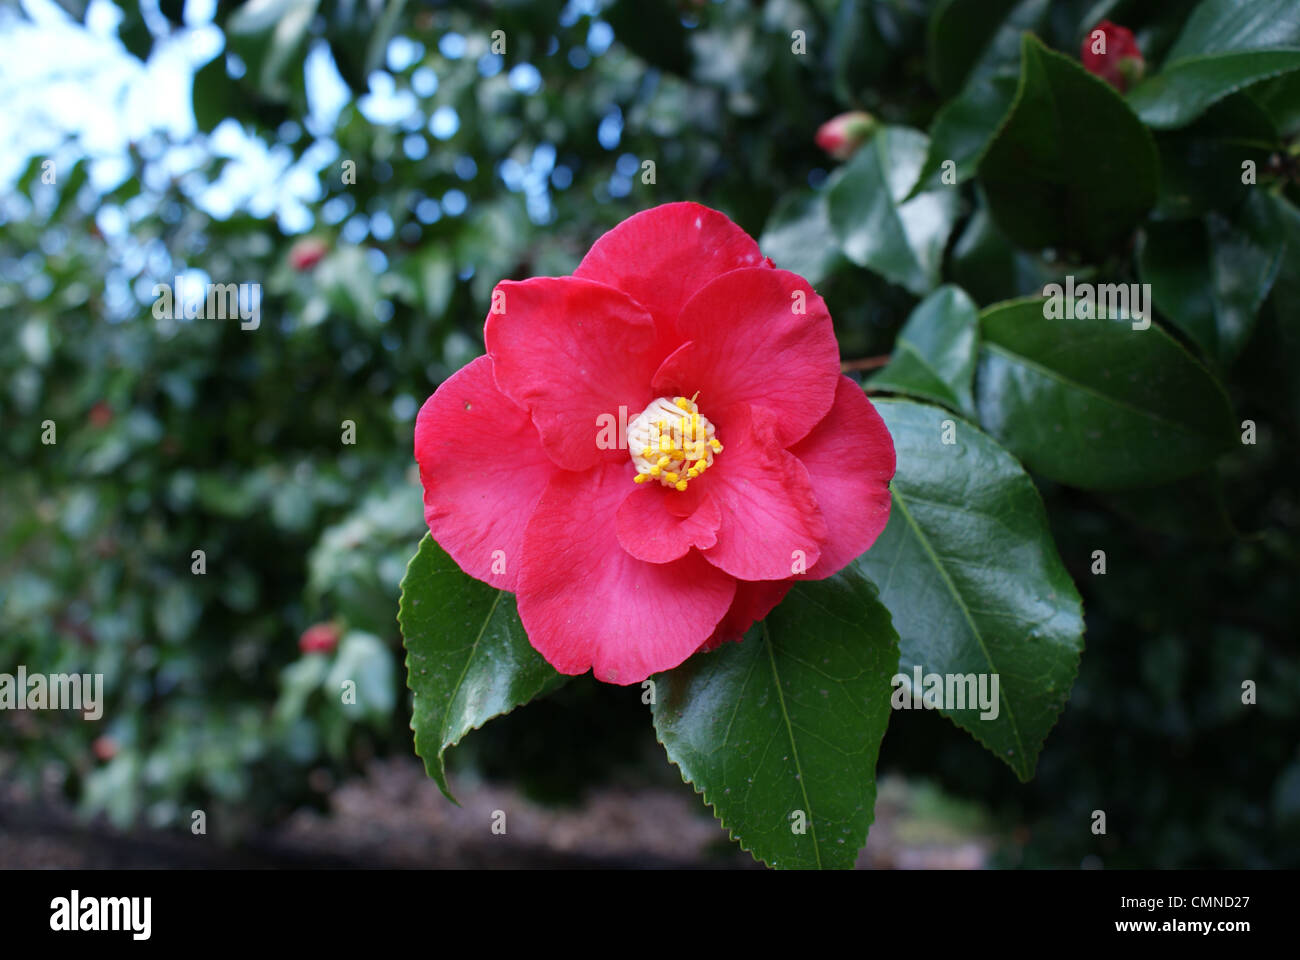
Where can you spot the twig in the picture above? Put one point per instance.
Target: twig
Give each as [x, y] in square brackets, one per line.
[866, 363]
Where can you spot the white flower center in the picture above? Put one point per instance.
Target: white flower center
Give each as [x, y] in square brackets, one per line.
[672, 442]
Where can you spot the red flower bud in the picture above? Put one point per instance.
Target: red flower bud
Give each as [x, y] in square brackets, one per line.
[1110, 51]
[319, 638]
[101, 414]
[307, 252]
[842, 135]
[104, 748]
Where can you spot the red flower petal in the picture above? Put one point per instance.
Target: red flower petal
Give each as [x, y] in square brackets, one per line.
[662, 256]
[570, 352]
[748, 344]
[770, 518]
[587, 604]
[850, 459]
[654, 525]
[755, 599]
[483, 471]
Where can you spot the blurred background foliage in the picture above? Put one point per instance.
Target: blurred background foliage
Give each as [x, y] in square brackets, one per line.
[471, 166]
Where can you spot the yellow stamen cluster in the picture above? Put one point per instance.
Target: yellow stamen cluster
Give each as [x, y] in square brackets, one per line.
[670, 441]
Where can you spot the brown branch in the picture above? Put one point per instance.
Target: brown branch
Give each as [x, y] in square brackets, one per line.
[866, 363]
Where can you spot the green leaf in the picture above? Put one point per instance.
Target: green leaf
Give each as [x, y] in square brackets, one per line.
[1220, 26]
[433, 279]
[270, 37]
[857, 53]
[1202, 164]
[135, 33]
[1072, 168]
[385, 24]
[968, 567]
[1280, 99]
[973, 37]
[298, 681]
[1094, 403]
[1225, 46]
[1174, 257]
[963, 130]
[934, 355]
[986, 265]
[1210, 278]
[215, 96]
[798, 236]
[789, 720]
[1183, 91]
[363, 659]
[877, 227]
[70, 185]
[468, 659]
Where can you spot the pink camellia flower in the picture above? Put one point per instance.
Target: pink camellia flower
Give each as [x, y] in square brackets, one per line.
[1111, 52]
[841, 136]
[654, 448]
[307, 252]
[319, 638]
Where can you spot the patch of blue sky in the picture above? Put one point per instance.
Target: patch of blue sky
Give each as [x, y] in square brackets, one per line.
[74, 94]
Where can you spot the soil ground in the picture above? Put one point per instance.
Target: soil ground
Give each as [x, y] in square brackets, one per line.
[394, 817]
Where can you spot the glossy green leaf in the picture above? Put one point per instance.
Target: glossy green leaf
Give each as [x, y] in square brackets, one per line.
[1280, 99]
[877, 227]
[1183, 91]
[986, 265]
[934, 355]
[467, 656]
[963, 129]
[972, 37]
[1072, 167]
[1174, 258]
[1094, 403]
[1225, 46]
[1219, 26]
[1203, 165]
[968, 567]
[798, 236]
[1209, 278]
[783, 729]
